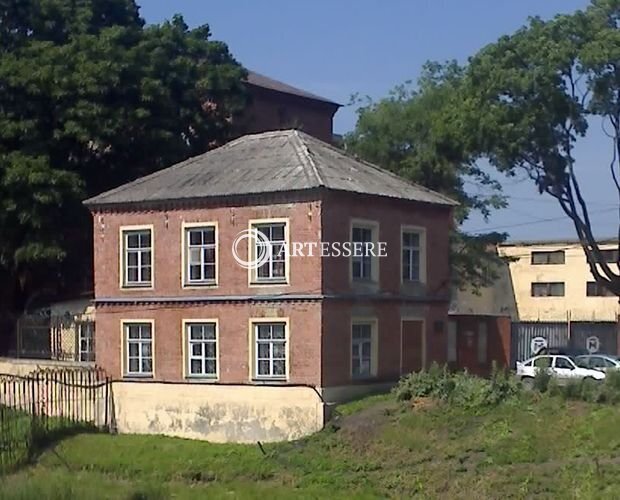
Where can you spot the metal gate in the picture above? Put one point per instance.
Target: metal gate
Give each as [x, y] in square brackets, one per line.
[585, 336]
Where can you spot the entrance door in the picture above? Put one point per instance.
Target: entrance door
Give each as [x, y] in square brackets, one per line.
[412, 349]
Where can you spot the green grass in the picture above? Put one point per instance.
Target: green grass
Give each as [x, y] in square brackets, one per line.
[540, 446]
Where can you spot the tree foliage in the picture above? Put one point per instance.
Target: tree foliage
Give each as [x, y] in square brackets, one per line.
[91, 97]
[532, 95]
[412, 133]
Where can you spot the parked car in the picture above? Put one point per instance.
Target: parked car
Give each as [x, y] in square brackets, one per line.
[602, 362]
[560, 366]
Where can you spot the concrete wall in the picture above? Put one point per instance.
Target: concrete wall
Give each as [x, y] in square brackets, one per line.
[574, 273]
[217, 413]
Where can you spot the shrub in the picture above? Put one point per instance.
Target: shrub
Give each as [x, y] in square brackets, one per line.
[459, 389]
[541, 380]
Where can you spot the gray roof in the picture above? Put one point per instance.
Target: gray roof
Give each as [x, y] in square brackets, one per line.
[270, 162]
[269, 83]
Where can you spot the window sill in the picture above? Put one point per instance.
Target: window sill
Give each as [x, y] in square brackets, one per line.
[270, 380]
[202, 379]
[145, 286]
[271, 282]
[200, 284]
[137, 376]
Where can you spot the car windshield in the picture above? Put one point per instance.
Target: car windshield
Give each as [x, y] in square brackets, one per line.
[581, 362]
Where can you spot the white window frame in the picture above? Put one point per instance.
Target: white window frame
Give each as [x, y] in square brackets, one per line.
[125, 325]
[86, 355]
[253, 278]
[188, 352]
[186, 228]
[373, 260]
[374, 347]
[124, 232]
[254, 323]
[421, 248]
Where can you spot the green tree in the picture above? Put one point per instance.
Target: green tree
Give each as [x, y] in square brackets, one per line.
[532, 95]
[412, 132]
[91, 97]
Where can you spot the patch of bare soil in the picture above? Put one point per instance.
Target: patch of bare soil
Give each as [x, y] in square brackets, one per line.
[362, 426]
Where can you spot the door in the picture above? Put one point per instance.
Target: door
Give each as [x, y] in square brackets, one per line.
[412, 349]
[564, 368]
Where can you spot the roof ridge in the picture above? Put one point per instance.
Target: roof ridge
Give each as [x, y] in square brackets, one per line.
[306, 155]
[381, 170]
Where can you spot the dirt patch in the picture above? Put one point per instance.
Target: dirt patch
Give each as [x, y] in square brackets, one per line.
[363, 425]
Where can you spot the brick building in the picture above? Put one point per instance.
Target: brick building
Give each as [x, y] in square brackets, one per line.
[173, 305]
[275, 105]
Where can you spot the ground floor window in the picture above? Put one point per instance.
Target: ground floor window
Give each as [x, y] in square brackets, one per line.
[270, 350]
[139, 349]
[201, 349]
[363, 349]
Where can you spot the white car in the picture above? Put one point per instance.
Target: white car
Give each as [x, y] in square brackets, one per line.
[601, 362]
[561, 367]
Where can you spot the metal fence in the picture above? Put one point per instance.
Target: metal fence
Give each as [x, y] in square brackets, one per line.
[46, 405]
[595, 337]
[62, 337]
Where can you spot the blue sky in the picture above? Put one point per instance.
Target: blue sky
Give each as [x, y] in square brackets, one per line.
[337, 48]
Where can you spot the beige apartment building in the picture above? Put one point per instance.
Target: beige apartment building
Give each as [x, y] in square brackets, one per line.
[547, 281]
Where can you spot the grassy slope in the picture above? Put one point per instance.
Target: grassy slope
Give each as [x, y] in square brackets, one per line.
[547, 448]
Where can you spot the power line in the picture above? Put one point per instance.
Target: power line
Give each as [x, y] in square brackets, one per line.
[539, 221]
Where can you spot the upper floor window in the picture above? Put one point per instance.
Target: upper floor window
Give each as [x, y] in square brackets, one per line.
[269, 250]
[610, 256]
[412, 245]
[363, 264]
[137, 257]
[200, 255]
[554, 257]
[554, 289]
[594, 289]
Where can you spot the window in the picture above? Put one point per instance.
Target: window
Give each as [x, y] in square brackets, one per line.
[361, 257]
[609, 256]
[86, 341]
[482, 342]
[564, 363]
[554, 257]
[451, 342]
[139, 349]
[270, 248]
[270, 350]
[412, 256]
[362, 363]
[594, 289]
[200, 255]
[137, 258]
[201, 349]
[542, 362]
[548, 289]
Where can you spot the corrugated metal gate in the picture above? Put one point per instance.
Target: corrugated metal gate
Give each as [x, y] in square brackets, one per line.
[598, 337]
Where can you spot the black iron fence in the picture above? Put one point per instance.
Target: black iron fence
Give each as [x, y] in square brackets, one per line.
[46, 405]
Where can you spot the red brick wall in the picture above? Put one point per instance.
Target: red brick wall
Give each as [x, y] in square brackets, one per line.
[498, 342]
[304, 225]
[320, 332]
[336, 349]
[340, 208]
[270, 110]
[233, 337]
